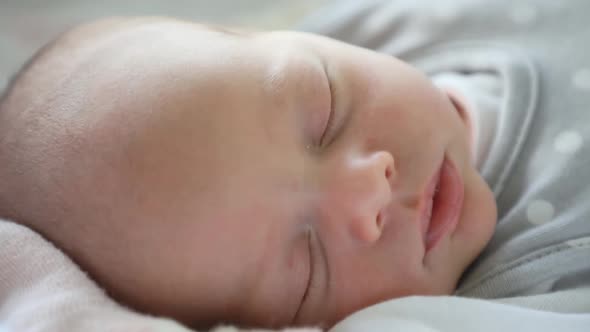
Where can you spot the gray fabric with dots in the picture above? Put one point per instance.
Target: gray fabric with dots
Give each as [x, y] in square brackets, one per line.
[539, 162]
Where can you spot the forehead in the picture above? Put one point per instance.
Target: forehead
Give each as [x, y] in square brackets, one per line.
[197, 114]
[226, 111]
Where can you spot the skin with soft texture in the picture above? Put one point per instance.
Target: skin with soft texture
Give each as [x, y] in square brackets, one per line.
[188, 169]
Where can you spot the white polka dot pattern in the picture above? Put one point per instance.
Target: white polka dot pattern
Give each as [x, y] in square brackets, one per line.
[584, 241]
[540, 212]
[523, 14]
[581, 79]
[568, 142]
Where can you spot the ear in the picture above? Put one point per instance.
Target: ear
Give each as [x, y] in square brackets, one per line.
[459, 103]
[465, 111]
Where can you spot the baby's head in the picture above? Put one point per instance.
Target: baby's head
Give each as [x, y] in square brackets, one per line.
[265, 179]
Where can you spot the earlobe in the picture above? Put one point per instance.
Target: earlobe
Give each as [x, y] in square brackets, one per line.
[464, 109]
[458, 103]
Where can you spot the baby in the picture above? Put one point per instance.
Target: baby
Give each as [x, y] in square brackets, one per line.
[282, 178]
[262, 178]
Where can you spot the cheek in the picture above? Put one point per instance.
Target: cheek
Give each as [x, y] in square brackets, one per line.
[479, 216]
[378, 128]
[391, 266]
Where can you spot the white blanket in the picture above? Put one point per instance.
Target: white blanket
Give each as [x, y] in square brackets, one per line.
[457, 314]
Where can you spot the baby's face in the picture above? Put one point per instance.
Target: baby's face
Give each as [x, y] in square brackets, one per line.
[272, 178]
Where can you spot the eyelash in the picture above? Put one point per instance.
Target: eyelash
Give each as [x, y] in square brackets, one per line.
[330, 121]
[311, 270]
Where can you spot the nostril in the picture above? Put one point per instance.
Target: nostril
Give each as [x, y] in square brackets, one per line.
[388, 172]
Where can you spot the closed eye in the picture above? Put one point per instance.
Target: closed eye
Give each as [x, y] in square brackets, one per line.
[309, 276]
[329, 123]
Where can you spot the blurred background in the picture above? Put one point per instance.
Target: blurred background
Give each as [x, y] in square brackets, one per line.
[25, 25]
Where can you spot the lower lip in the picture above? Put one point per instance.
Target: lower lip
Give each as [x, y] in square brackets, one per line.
[444, 206]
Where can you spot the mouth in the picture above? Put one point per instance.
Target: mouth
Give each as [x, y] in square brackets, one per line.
[441, 204]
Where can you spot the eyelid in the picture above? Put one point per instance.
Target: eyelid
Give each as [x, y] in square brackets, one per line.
[319, 274]
[330, 122]
[308, 285]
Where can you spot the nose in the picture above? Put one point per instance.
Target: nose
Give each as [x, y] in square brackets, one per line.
[362, 188]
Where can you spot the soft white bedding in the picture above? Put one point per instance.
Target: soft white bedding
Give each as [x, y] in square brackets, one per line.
[456, 314]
